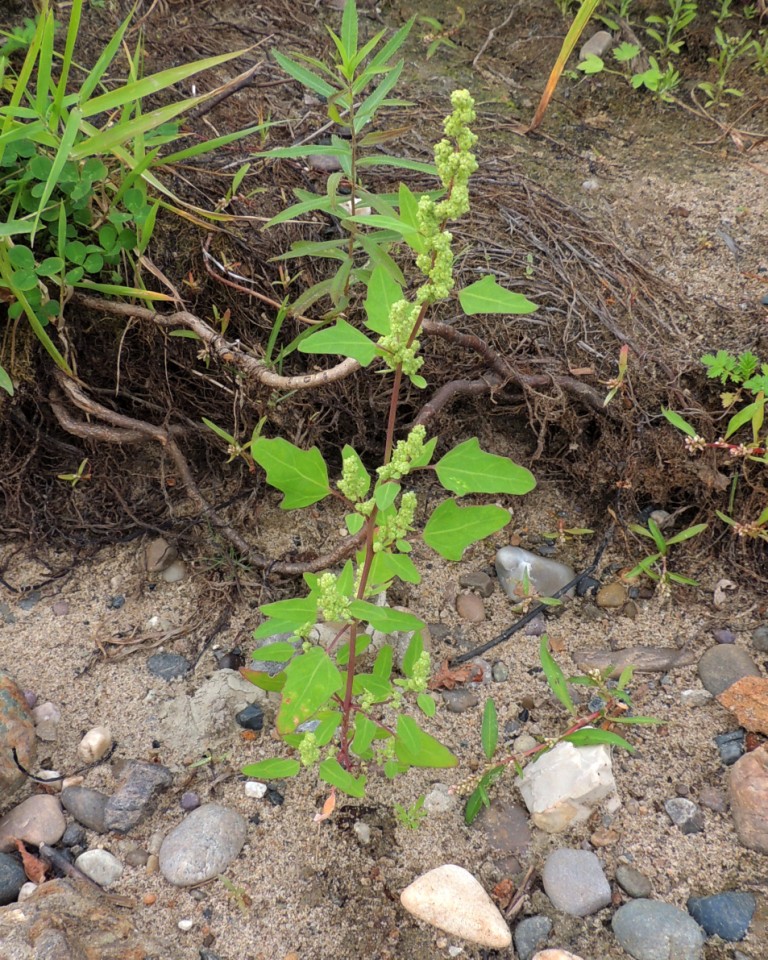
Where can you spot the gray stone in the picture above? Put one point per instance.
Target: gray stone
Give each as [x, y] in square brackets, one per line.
[731, 746]
[31, 600]
[723, 665]
[760, 638]
[545, 577]
[713, 799]
[74, 835]
[17, 731]
[723, 635]
[632, 882]
[500, 672]
[37, 820]
[139, 785]
[506, 828]
[158, 555]
[101, 866]
[531, 934]
[6, 614]
[439, 800]
[12, 878]
[457, 701]
[478, 581]
[86, 806]
[643, 659]
[684, 814]
[575, 883]
[174, 572]
[202, 845]
[725, 915]
[167, 666]
[652, 930]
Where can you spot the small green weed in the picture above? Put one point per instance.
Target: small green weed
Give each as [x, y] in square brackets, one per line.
[656, 565]
[412, 817]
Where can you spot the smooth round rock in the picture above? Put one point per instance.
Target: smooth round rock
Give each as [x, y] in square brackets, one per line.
[723, 635]
[37, 820]
[632, 882]
[74, 835]
[167, 666]
[575, 883]
[95, 744]
[203, 845]
[101, 866]
[760, 638]
[555, 954]
[86, 806]
[597, 46]
[458, 701]
[748, 793]
[652, 930]
[175, 572]
[546, 577]
[530, 934]
[255, 789]
[612, 596]
[189, 801]
[723, 665]
[470, 607]
[12, 878]
[17, 730]
[158, 555]
[726, 915]
[251, 718]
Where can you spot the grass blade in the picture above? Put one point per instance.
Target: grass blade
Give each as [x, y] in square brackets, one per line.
[490, 729]
[555, 676]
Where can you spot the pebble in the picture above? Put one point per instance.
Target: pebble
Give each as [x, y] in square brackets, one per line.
[60, 608]
[189, 801]
[597, 46]
[439, 801]
[506, 828]
[175, 572]
[323, 163]
[275, 797]
[101, 866]
[730, 746]
[116, 602]
[31, 600]
[158, 554]
[251, 718]
[726, 915]
[478, 581]
[185, 925]
[27, 889]
[653, 930]
[724, 635]
[500, 672]
[12, 878]
[6, 614]
[167, 666]
[760, 638]
[695, 698]
[536, 627]
[685, 815]
[633, 882]
[555, 954]
[452, 900]
[95, 744]
[138, 785]
[202, 845]
[612, 596]
[643, 659]
[748, 793]
[470, 607]
[255, 789]
[86, 806]
[530, 934]
[545, 576]
[458, 701]
[36, 820]
[713, 799]
[16, 730]
[590, 185]
[723, 665]
[362, 832]
[575, 883]
[136, 856]
[46, 713]
[74, 835]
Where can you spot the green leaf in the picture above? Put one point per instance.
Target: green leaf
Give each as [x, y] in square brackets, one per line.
[693, 531]
[468, 469]
[385, 494]
[490, 729]
[479, 797]
[382, 666]
[5, 382]
[486, 296]
[413, 652]
[592, 737]
[658, 537]
[377, 688]
[349, 29]
[286, 616]
[592, 64]
[274, 652]
[426, 704]
[555, 676]
[343, 340]
[305, 77]
[327, 727]
[273, 769]
[383, 291]
[365, 731]
[264, 681]
[739, 419]
[300, 475]
[311, 679]
[451, 528]
[418, 749]
[354, 522]
[384, 619]
[386, 566]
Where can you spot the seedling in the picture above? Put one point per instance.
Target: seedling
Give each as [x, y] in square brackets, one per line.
[666, 29]
[77, 476]
[618, 382]
[730, 49]
[655, 565]
[412, 817]
[441, 34]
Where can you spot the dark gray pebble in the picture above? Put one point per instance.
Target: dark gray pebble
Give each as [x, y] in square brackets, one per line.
[275, 797]
[12, 878]
[139, 784]
[531, 934]
[251, 718]
[685, 815]
[31, 600]
[587, 586]
[760, 638]
[167, 666]
[723, 665]
[86, 806]
[653, 930]
[116, 602]
[74, 835]
[477, 581]
[633, 882]
[731, 746]
[726, 915]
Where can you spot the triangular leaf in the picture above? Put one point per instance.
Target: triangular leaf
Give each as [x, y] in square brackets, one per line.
[383, 291]
[343, 340]
[384, 618]
[300, 475]
[310, 680]
[416, 748]
[486, 296]
[468, 469]
[451, 528]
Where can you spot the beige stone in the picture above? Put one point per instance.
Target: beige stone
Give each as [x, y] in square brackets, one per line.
[555, 955]
[37, 820]
[612, 596]
[748, 793]
[94, 744]
[451, 899]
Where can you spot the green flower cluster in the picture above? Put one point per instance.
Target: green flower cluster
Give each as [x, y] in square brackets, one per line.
[355, 482]
[331, 602]
[309, 750]
[406, 452]
[396, 526]
[397, 351]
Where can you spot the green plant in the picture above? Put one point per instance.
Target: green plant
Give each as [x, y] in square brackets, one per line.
[656, 565]
[723, 12]
[356, 707]
[412, 817]
[589, 730]
[759, 51]
[618, 383]
[618, 10]
[79, 191]
[730, 49]
[77, 476]
[653, 78]
[440, 35]
[666, 28]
